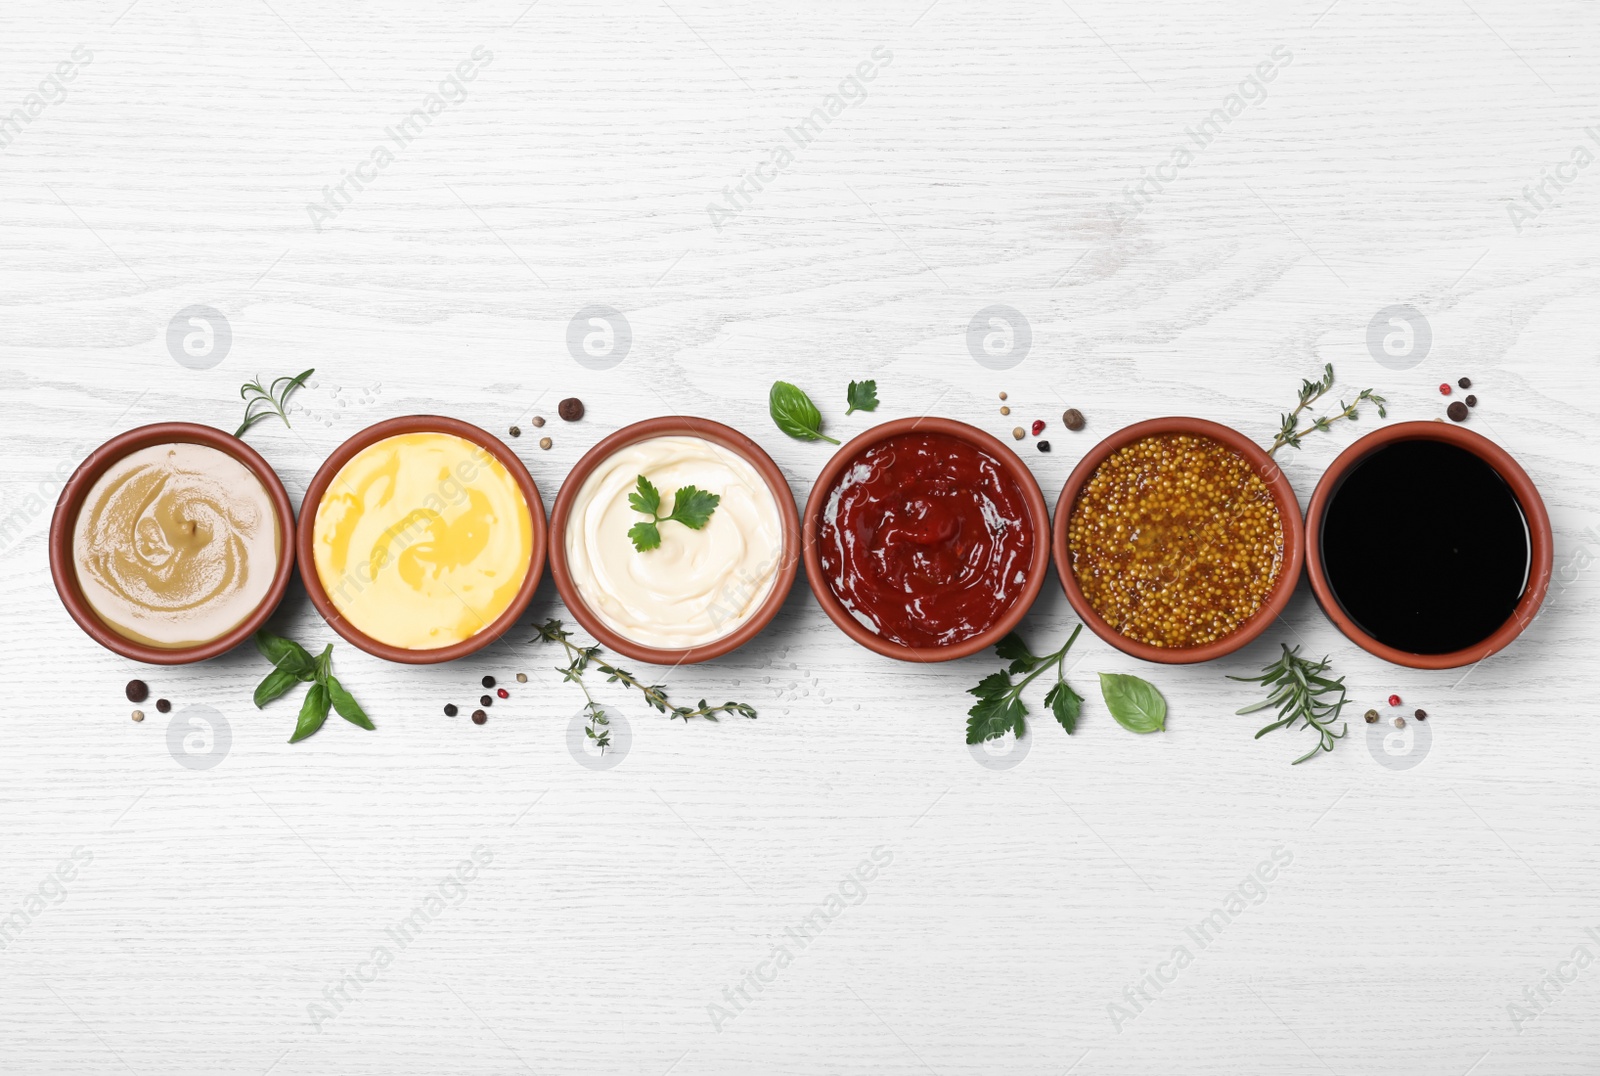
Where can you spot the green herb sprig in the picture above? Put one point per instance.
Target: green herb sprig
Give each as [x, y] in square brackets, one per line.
[1301, 693]
[262, 403]
[1000, 709]
[795, 414]
[292, 665]
[862, 396]
[581, 658]
[1290, 431]
[690, 506]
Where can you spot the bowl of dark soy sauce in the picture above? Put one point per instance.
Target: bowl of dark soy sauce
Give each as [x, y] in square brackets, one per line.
[1428, 545]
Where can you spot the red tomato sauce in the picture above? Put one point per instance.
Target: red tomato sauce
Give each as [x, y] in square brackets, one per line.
[926, 539]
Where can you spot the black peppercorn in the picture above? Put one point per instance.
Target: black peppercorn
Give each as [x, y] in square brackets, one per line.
[570, 409]
[1371, 716]
[479, 717]
[1472, 401]
[516, 431]
[138, 691]
[450, 709]
[1465, 382]
[1457, 412]
[1421, 715]
[486, 700]
[1044, 446]
[163, 705]
[488, 681]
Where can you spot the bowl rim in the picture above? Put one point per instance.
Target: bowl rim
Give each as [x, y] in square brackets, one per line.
[305, 537]
[667, 426]
[1038, 564]
[64, 521]
[1283, 496]
[1541, 552]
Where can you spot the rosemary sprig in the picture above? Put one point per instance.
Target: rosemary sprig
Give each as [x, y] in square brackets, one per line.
[262, 403]
[580, 658]
[1290, 431]
[1301, 693]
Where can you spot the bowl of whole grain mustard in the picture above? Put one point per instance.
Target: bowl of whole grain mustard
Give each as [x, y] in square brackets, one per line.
[1178, 540]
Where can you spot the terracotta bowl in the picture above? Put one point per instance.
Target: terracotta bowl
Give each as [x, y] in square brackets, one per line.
[1540, 542]
[66, 518]
[343, 455]
[670, 426]
[1038, 512]
[1282, 495]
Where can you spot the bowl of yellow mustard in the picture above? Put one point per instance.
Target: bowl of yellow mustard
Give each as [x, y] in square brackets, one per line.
[422, 539]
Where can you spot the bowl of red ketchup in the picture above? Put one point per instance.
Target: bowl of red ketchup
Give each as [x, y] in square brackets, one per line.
[926, 539]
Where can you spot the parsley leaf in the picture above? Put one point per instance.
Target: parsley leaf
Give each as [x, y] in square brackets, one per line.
[645, 536]
[691, 506]
[1000, 708]
[863, 396]
[646, 498]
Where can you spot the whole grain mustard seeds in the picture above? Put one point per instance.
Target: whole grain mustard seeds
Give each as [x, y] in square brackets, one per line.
[1175, 540]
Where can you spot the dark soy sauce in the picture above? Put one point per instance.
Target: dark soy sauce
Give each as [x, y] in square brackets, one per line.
[1425, 547]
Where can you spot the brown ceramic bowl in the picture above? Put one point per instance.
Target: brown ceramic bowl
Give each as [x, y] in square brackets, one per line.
[1282, 495]
[676, 426]
[343, 455]
[1038, 511]
[71, 502]
[1540, 542]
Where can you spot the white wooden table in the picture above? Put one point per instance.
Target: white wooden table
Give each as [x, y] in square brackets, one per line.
[226, 884]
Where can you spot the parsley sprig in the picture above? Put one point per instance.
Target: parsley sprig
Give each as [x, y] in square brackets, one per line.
[1000, 709]
[292, 665]
[691, 506]
[1290, 431]
[862, 396]
[581, 658]
[1301, 693]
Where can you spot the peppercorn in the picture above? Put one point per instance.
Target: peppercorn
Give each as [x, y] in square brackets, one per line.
[516, 431]
[544, 442]
[486, 700]
[479, 717]
[1444, 388]
[1457, 412]
[488, 681]
[1371, 716]
[138, 691]
[537, 421]
[503, 693]
[1073, 418]
[570, 409]
[450, 709]
[1002, 395]
[138, 715]
[1044, 446]
[1421, 715]
[1399, 722]
[1038, 426]
[1005, 410]
[1394, 700]
[163, 705]
[1465, 382]
[1472, 401]
[1018, 433]
[522, 678]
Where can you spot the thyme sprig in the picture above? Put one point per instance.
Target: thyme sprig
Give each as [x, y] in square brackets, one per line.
[581, 658]
[264, 402]
[1290, 431]
[1301, 693]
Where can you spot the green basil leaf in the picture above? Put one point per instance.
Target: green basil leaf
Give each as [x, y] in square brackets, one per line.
[1066, 704]
[346, 705]
[278, 682]
[795, 414]
[1135, 703]
[286, 654]
[313, 712]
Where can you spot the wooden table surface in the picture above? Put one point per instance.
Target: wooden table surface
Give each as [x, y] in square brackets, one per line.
[1185, 208]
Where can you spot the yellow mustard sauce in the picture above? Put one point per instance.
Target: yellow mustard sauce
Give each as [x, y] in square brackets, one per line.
[422, 540]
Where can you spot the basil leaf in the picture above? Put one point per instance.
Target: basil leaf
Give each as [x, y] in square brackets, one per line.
[862, 396]
[286, 654]
[1066, 704]
[313, 712]
[1135, 703]
[278, 682]
[346, 705]
[795, 414]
